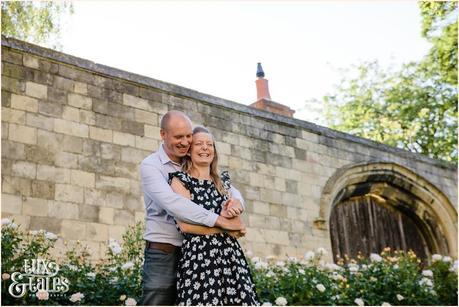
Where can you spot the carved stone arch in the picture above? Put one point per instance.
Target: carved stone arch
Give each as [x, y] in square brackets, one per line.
[392, 187]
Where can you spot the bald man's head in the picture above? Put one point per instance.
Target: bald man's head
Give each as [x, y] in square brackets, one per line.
[176, 133]
[171, 117]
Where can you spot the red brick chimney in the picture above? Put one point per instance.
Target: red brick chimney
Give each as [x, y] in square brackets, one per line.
[264, 101]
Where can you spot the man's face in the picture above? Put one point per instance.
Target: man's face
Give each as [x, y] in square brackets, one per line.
[177, 138]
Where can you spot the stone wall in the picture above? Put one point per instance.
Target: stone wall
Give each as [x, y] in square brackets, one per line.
[74, 133]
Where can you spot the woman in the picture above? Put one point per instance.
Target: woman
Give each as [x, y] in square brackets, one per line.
[212, 269]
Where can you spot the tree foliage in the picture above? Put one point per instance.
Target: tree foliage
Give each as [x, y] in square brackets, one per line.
[34, 21]
[414, 107]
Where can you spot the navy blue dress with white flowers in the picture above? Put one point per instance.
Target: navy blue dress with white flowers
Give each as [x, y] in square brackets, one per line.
[213, 269]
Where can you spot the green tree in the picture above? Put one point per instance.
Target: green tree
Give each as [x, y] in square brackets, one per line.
[414, 107]
[34, 21]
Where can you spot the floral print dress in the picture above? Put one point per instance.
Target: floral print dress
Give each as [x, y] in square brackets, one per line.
[212, 269]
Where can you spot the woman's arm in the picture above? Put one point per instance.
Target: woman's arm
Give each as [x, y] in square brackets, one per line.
[178, 188]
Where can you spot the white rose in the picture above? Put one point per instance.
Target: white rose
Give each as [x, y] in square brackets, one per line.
[359, 301]
[281, 301]
[321, 251]
[122, 297]
[320, 287]
[309, 256]
[386, 304]
[375, 257]
[447, 259]
[436, 257]
[400, 297]
[266, 304]
[6, 222]
[50, 236]
[427, 273]
[127, 265]
[91, 275]
[280, 263]
[130, 302]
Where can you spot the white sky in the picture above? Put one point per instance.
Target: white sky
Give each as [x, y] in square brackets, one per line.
[213, 47]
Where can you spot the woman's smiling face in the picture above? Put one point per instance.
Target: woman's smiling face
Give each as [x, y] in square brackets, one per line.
[202, 149]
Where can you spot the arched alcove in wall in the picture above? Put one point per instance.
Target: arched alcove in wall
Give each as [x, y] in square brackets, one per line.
[369, 206]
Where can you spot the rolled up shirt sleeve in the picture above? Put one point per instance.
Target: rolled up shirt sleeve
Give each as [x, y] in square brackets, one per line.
[156, 187]
[237, 195]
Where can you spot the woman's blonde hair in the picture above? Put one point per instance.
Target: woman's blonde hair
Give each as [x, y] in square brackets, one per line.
[214, 172]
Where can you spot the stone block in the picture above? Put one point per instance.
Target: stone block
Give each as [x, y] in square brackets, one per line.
[291, 186]
[50, 109]
[30, 61]
[38, 154]
[35, 207]
[71, 128]
[106, 216]
[276, 237]
[116, 232]
[73, 230]
[82, 179]
[256, 221]
[71, 113]
[53, 174]
[13, 116]
[36, 90]
[278, 210]
[136, 102]
[79, 101]
[99, 134]
[124, 218]
[80, 88]
[75, 74]
[256, 180]
[46, 223]
[135, 187]
[290, 199]
[10, 85]
[11, 203]
[134, 204]
[110, 151]
[112, 183]
[57, 96]
[126, 170]
[65, 159]
[89, 213]
[43, 189]
[145, 117]
[254, 234]
[309, 136]
[107, 122]
[63, 210]
[139, 217]
[94, 197]
[24, 169]
[11, 56]
[152, 132]
[271, 196]
[16, 185]
[132, 155]
[114, 199]
[67, 192]
[63, 83]
[124, 139]
[40, 121]
[146, 143]
[129, 126]
[25, 103]
[87, 117]
[260, 208]
[5, 127]
[97, 232]
[72, 144]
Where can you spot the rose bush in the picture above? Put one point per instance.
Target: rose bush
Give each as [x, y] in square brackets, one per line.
[389, 278]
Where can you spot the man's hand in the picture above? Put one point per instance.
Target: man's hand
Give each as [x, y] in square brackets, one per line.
[232, 208]
[237, 233]
[234, 223]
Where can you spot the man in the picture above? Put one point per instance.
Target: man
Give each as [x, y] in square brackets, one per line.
[163, 240]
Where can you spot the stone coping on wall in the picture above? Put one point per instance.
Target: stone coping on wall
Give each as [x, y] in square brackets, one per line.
[193, 94]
